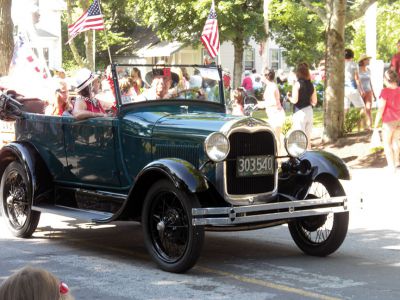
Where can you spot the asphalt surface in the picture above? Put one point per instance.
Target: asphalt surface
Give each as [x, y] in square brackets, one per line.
[110, 261]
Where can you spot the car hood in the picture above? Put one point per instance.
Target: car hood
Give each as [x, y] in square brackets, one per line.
[190, 125]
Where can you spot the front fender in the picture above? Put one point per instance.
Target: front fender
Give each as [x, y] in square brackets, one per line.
[38, 175]
[182, 173]
[325, 162]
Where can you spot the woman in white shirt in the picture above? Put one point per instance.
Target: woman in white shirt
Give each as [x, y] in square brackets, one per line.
[273, 107]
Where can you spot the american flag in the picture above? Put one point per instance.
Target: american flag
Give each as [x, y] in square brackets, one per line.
[92, 19]
[210, 36]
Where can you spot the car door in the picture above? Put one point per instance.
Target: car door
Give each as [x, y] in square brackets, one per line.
[90, 147]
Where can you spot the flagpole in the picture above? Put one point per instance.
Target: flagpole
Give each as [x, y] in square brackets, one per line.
[106, 36]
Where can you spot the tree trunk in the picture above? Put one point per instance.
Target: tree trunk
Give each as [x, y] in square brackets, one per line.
[266, 26]
[6, 36]
[88, 41]
[89, 49]
[238, 64]
[75, 53]
[334, 91]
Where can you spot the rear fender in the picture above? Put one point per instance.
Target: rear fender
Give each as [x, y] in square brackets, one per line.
[39, 176]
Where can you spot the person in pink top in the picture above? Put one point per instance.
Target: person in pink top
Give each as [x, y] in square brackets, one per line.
[86, 106]
[389, 112]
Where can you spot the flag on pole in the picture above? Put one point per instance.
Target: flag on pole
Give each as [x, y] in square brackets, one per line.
[210, 35]
[92, 19]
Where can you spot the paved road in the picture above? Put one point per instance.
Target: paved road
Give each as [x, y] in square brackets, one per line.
[110, 261]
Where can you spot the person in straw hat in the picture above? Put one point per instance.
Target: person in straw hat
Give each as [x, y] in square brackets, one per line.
[366, 90]
[86, 106]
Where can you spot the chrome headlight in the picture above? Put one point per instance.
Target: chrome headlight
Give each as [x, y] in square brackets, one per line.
[296, 143]
[217, 146]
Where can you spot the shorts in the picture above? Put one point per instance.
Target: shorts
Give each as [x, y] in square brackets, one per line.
[391, 125]
[276, 117]
[352, 96]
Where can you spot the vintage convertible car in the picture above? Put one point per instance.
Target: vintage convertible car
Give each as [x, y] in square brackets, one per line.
[179, 165]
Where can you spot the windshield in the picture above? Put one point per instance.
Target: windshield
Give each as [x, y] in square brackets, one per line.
[139, 83]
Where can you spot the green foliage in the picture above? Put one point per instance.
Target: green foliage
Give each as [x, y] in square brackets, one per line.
[120, 25]
[388, 31]
[353, 119]
[183, 20]
[320, 89]
[287, 125]
[298, 30]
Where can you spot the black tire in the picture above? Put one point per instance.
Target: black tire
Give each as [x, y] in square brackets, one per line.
[321, 235]
[172, 241]
[16, 194]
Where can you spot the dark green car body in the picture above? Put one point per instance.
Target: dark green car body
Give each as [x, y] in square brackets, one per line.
[102, 169]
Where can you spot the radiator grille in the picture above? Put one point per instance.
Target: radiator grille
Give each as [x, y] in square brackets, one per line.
[249, 144]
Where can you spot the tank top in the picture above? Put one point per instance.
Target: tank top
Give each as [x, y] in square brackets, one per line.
[269, 94]
[365, 80]
[305, 92]
[93, 106]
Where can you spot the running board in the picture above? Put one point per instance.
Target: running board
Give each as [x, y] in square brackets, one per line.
[75, 213]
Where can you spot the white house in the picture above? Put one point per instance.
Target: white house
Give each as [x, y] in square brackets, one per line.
[40, 21]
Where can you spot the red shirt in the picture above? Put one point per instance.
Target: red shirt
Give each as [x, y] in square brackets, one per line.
[227, 81]
[396, 64]
[392, 107]
[247, 83]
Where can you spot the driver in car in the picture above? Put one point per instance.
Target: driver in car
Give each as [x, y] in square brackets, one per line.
[159, 87]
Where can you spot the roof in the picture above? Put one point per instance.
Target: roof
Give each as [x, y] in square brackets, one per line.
[162, 48]
[141, 37]
[145, 43]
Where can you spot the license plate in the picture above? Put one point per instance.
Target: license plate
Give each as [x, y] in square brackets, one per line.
[255, 165]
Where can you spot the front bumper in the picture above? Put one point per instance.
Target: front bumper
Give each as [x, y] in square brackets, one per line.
[259, 213]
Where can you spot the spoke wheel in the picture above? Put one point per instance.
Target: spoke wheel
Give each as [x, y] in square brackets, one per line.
[16, 201]
[321, 235]
[170, 238]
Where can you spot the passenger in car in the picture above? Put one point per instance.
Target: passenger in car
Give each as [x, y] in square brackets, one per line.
[128, 92]
[86, 106]
[60, 103]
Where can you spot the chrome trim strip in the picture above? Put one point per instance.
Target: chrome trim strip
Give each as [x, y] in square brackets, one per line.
[266, 217]
[237, 214]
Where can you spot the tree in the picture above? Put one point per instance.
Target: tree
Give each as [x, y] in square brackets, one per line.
[119, 22]
[388, 31]
[297, 30]
[183, 20]
[6, 36]
[334, 16]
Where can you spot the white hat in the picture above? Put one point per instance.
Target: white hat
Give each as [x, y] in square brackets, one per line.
[83, 78]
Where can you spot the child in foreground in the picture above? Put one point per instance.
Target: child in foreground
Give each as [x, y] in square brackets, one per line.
[32, 283]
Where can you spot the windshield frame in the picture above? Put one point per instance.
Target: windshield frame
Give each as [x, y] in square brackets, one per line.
[115, 78]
